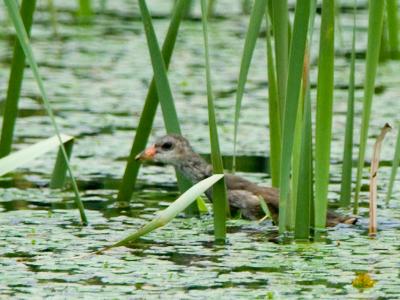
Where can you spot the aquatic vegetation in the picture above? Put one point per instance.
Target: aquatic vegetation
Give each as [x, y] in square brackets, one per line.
[363, 281]
[97, 73]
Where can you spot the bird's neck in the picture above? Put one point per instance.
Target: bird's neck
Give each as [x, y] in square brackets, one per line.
[195, 167]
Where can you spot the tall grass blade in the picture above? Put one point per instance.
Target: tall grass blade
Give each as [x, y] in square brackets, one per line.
[12, 9]
[171, 211]
[393, 27]
[149, 110]
[395, 166]
[220, 203]
[375, 24]
[280, 20]
[251, 38]
[305, 179]
[30, 153]
[15, 82]
[323, 131]
[85, 10]
[296, 60]
[53, 16]
[273, 110]
[163, 87]
[373, 181]
[305, 184]
[347, 168]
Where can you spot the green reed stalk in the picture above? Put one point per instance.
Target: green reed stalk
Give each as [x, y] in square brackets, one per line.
[274, 113]
[375, 24]
[395, 166]
[85, 10]
[393, 27]
[323, 130]
[211, 8]
[220, 203]
[296, 60]
[23, 38]
[15, 82]
[53, 16]
[280, 20]
[294, 180]
[305, 179]
[345, 191]
[246, 6]
[163, 87]
[305, 183]
[149, 110]
[251, 38]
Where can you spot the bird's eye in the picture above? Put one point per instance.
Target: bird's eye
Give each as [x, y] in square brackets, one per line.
[167, 146]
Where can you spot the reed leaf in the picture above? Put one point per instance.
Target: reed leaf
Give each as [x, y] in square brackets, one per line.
[375, 24]
[393, 27]
[324, 114]
[171, 211]
[15, 82]
[273, 110]
[296, 60]
[395, 166]
[305, 178]
[12, 9]
[85, 10]
[150, 107]
[163, 87]
[280, 21]
[251, 38]
[220, 203]
[345, 189]
[305, 184]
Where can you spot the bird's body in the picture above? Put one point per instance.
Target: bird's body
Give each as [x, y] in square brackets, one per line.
[243, 195]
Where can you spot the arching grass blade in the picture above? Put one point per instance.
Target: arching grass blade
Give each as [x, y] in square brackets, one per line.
[171, 211]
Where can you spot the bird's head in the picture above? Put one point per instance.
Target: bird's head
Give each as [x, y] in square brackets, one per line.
[169, 149]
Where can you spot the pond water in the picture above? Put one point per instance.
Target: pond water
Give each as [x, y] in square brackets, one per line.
[97, 77]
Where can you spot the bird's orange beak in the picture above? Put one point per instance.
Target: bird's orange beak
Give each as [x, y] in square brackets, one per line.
[147, 154]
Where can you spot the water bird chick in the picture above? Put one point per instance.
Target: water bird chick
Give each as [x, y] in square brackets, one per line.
[243, 195]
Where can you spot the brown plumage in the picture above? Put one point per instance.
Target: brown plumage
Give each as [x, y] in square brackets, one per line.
[243, 195]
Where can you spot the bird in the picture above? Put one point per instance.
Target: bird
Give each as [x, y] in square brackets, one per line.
[244, 196]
